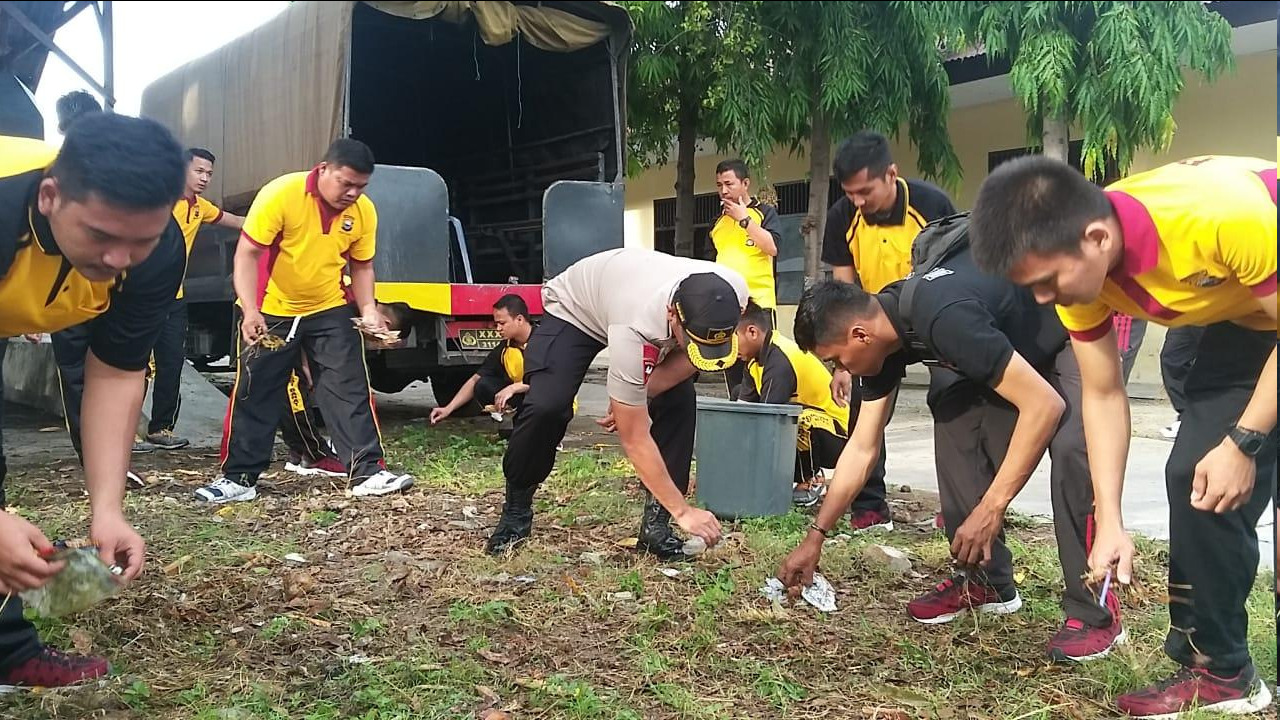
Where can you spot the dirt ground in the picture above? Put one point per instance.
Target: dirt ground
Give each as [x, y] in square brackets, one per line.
[312, 604]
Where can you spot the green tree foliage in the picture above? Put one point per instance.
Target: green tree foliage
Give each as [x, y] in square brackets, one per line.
[1114, 69]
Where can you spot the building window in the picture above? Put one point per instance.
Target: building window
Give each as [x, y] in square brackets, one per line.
[1075, 149]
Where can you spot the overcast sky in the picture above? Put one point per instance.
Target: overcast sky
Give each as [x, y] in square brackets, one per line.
[151, 39]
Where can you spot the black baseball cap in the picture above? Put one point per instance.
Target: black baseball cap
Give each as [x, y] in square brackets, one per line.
[709, 312]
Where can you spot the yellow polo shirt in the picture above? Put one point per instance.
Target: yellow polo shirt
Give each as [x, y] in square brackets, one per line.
[1199, 247]
[40, 291]
[309, 242]
[737, 251]
[191, 214]
[783, 373]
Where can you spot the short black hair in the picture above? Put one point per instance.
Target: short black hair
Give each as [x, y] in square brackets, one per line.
[513, 304]
[826, 311]
[73, 106]
[756, 315]
[130, 163]
[350, 153]
[736, 166]
[864, 150]
[193, 153]
[1032, 204]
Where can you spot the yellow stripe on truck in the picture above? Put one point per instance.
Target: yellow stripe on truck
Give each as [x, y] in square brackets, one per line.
[425, 297]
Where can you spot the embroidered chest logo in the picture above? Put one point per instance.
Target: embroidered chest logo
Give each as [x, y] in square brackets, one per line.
[348, 222]
[1203, 279]
[195, 213]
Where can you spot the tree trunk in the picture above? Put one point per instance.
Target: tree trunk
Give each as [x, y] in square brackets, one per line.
[686, 144]
[1056, 139]
[819, 186]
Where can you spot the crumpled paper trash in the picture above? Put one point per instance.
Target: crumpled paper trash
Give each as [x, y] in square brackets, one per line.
[83, 583]
[820, 594]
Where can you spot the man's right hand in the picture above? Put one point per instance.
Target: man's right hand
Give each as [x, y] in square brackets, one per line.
[1111, 546]
[841, 387]
[797, 570]
[697, 521]
[21, 567]
[252, 327]
[439, 414]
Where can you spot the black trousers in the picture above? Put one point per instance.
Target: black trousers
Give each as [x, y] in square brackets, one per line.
[335, 350]
[1213, 559]
[973, 427]
[300, 427]
[70, 348]
[824, 450]
[1177, 356]
[873, 493]
[487, 388]
[556, 360]
[18, 640]
[169, 355]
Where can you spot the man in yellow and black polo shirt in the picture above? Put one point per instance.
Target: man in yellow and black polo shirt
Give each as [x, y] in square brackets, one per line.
[191, 211]
[500, 379]
[746, 238]
[302, 231]
[779, 372]
[1187, 244]
[76, 226]
[867, 241]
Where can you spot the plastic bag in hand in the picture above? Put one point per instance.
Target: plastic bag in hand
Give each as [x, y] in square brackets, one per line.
[84, 582]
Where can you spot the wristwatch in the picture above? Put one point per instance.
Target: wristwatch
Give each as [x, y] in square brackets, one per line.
[1249, 441]
[744, 222]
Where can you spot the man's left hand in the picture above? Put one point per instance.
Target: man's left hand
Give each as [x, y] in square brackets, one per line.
[736, 209]
[1224, 479]
[972, 545]
[118, 543]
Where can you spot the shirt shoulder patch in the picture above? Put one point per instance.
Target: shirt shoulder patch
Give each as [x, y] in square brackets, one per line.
[937, 273]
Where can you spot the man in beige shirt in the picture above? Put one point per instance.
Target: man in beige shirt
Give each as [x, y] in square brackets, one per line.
[663, 318]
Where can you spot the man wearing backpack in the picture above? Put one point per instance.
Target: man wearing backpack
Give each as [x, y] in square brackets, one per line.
[1014, 391]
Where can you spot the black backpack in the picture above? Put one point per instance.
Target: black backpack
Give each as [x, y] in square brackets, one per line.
[937, 242]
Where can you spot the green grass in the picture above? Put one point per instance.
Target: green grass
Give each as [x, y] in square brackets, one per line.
[703, 644]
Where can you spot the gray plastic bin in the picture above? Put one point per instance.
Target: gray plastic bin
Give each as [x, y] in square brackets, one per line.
[746, 457]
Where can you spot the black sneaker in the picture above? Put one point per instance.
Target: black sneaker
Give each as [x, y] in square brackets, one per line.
[166, 440]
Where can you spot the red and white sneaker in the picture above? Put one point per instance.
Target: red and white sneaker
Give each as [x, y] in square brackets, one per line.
[952, 598]
[1078, 642]
[328, 466]
[52, 669]
[1198, 689]
[869, 520]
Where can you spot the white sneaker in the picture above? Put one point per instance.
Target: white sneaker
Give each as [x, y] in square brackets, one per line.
[223, 490]
[1170, 431]
[384, 482]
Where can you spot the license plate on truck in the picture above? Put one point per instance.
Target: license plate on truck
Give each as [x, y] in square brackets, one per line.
[478, 338]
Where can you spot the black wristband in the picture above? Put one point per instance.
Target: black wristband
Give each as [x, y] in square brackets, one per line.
[815, 526]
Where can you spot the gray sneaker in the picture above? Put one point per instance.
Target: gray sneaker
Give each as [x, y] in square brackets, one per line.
[166, 440]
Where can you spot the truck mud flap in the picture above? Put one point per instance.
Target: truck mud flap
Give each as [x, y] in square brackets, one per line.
[413, 224]
[579, 219]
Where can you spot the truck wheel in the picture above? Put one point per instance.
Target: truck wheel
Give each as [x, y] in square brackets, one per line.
[446, 383]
